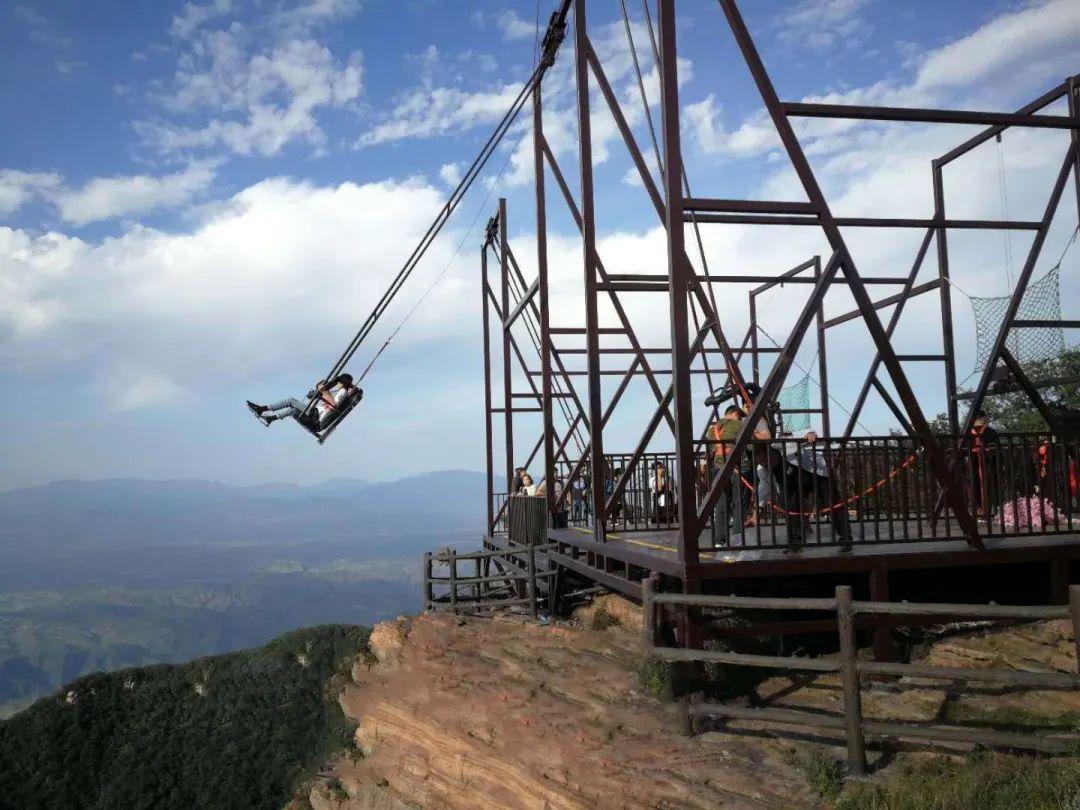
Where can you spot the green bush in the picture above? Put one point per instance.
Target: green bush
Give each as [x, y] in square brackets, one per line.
[602, 620]
[653, 675]
[823, 773]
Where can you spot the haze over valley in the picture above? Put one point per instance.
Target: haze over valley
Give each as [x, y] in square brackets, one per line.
[101, 575]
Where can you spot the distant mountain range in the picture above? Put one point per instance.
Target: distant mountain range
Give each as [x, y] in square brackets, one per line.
[118, 512]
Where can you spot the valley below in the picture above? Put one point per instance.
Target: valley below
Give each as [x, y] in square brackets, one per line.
[103, 575]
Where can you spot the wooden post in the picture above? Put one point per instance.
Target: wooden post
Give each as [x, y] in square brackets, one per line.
[1059, 581]
[648, 615]
[845, 621]
[429, 597]
[532, 582]
[879, 592]
[1074, 612]
[453, 580]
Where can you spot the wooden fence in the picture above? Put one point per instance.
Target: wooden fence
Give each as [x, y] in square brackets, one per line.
[852, 723]
[515, 581]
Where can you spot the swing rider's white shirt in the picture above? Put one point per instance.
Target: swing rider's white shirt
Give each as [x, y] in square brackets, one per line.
[324, 409]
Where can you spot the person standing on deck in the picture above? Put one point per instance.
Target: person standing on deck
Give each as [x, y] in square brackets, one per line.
[735, 498]
[809, 481]
[663, 493]
[577, 499]
[980, 444]
[561, 520]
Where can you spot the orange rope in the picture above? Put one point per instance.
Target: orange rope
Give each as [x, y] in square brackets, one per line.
[873, 487]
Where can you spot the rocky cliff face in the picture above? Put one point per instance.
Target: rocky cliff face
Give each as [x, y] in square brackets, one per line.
[504, 713]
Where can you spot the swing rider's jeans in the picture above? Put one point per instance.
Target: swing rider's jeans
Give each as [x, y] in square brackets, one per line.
[286, 408]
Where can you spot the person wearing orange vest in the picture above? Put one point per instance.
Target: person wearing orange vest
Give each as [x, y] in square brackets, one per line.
[735, 499]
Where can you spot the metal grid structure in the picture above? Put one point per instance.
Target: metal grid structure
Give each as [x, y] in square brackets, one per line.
[696, 331]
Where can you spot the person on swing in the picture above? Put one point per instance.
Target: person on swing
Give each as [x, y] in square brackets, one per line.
[327, 397]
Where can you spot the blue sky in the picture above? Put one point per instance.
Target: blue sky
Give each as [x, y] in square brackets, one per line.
[199, 202]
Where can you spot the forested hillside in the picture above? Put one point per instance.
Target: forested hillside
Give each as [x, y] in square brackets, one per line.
[236, 730]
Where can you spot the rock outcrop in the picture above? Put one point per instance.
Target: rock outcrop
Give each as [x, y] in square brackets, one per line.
[504, 713]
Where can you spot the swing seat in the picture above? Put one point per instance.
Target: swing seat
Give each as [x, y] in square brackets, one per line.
[322, 432]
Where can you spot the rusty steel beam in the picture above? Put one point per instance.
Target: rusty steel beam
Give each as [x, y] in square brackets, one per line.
[921, 115]
[942, 469]
[872, 222]
[545, 312]
[1043, 101]
[489, 444]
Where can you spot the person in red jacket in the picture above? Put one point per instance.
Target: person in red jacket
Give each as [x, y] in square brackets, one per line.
[980, 444]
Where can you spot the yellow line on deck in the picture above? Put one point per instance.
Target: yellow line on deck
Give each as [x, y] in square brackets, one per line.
[611, 536]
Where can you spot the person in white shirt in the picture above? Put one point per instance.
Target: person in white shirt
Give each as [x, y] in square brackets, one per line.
[527, 485]
[327, 399]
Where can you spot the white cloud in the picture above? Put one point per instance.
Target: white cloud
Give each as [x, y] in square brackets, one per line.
[450, 173]
[67, 67]
[194, 16]
[514, 27]
[1025, 42]
[1007, 58]
[426, 112]
[300, 19]
[825, 24]
[143, 391]
[255, 87]
[272, 98]
[17, 187]
[271, 277]
[109, 197]
[704, 124]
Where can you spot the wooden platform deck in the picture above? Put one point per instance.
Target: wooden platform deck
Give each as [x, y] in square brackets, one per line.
[623, 558]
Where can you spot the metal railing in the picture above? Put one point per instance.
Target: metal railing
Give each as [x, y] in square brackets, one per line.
[877, 489]
[515, 581]
[852, 722]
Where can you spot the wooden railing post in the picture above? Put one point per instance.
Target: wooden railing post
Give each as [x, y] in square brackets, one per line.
[452, 559]
[478, 585]
[532, 582]
[853, 720]
[429, 595]
[647, 617]
[1074, 613]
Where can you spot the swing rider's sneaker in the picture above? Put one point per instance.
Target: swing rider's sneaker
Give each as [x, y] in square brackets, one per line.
[258, 410]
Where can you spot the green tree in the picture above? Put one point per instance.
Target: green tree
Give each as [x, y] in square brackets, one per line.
[1013, 411]
[236, 730]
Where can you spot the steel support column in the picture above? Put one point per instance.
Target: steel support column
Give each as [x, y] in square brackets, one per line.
[945, 293]
[679, 270]
[508, 382]
[489, 444]
[545, 315]
[823, 363]
[588, 236]
[1074, 110]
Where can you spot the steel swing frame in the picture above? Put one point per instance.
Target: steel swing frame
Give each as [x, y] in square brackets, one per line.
[586, 416]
